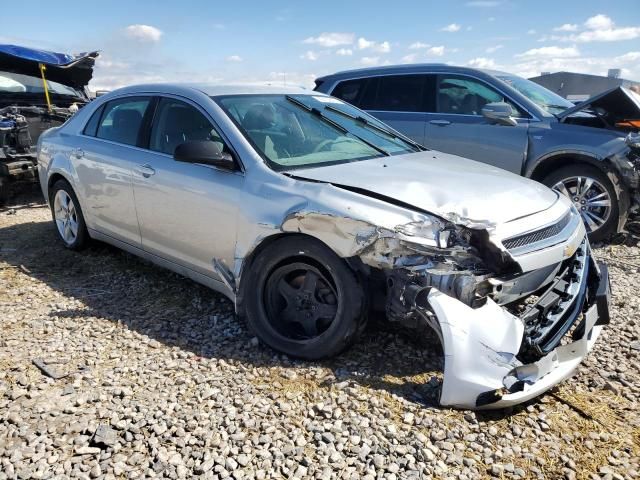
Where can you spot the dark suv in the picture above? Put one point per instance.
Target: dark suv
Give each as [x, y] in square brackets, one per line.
[589, 152]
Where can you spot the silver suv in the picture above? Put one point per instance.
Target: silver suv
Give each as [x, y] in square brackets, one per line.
[588, 152]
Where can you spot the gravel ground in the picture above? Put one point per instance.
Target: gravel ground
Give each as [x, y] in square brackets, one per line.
[113, 368]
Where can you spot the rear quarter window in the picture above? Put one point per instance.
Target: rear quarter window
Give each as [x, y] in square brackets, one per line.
[92, 125]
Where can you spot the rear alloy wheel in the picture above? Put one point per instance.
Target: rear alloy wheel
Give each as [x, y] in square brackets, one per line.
[301, 299]
[67, 216]
[592, 194]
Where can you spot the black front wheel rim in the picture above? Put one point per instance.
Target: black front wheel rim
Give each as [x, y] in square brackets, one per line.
[300, 300]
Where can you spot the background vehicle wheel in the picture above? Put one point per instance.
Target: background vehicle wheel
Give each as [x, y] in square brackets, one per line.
[67, 216]
[593, 195]
[303, 300]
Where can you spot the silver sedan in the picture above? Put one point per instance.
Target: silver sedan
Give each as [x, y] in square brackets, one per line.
[308, 213]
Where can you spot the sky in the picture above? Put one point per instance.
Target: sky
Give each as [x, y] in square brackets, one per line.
[294, 42]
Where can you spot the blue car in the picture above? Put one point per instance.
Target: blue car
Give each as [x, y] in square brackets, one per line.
[590, 152]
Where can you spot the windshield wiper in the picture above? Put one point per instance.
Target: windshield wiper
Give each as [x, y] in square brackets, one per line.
[376, 127]
[318, 113]
[551, 105]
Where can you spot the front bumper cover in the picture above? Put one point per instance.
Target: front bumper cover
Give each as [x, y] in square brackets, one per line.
[485, 363]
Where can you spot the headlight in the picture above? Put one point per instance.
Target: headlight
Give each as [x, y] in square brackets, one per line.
[432, 232]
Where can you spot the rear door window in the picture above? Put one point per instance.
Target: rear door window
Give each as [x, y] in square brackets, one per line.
[400, 93]
[122, 120]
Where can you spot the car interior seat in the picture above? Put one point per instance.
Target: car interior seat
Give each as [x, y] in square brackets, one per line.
[257, 121]
[125, 126]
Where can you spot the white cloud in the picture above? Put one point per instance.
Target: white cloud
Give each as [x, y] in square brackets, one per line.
[482, 62]
[309, 55]
[143, 33]
[491, 19]
[234, 58]
[331, 39]
[436, 51]
[418, 46]
[411, 58]
[531, 31]
[599, 28]
[344, 52]
[629, 63]
[566, 27]
[550, 52]
[493, 49]
[452, 27]
[483, 3]
[382, 47]
[599, 22]
[370, 61]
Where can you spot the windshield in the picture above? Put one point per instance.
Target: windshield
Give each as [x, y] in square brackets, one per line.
[546, 99]
[16, 83]
[302, 131]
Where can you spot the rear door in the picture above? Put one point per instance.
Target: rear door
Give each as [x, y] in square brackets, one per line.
[458, 127]
[400, 101]
[104, 164]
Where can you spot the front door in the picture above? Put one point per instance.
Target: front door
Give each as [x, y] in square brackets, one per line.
[458, 127]
[187, 212]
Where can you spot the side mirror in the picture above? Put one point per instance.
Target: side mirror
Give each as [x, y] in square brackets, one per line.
[499, 112]
[206, 152]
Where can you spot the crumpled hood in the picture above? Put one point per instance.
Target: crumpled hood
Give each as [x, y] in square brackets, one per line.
[71, 70]
[459, 190]
[617, 103]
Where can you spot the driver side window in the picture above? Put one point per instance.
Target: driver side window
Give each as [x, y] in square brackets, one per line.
[177, 122]
[466, 96]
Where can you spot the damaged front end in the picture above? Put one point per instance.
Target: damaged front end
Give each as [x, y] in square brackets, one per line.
[38, 90]
[514, 316]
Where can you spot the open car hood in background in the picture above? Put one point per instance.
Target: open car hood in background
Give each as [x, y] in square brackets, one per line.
[71, 70]
[619, 103]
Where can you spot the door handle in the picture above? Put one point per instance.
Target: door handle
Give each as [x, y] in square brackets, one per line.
[77, 152]
[145, 170]
[440, 123]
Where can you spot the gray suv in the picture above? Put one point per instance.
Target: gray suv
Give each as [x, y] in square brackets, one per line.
[589, 152]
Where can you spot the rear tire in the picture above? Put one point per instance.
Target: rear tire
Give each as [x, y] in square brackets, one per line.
[302, 299]
[67, 216]
[593, 195]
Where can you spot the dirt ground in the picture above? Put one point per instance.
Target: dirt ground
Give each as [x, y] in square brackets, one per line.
[158, 378]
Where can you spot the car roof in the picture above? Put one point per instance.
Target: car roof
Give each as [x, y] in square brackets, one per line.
[214, 89]
[409, 68]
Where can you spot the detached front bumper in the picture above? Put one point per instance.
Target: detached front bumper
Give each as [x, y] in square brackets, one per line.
[488, 351]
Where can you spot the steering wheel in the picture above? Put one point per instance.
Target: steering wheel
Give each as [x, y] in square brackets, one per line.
[321, 146]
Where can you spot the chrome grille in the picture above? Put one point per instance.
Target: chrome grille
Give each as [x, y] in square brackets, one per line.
[537, 235]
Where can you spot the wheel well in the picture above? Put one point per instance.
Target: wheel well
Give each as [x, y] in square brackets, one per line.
[53, 179]
[351, 262]
[550, 164]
